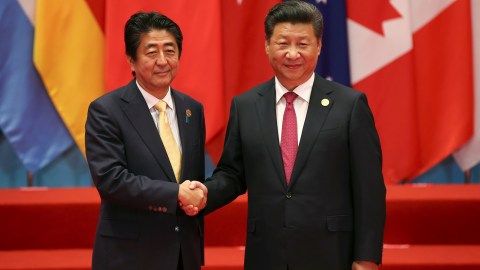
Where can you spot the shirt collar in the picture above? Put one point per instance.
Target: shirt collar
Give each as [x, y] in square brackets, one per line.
[152, 100]
[304, 90]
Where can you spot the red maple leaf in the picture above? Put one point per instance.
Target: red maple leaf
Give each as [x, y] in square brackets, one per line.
[371, 13]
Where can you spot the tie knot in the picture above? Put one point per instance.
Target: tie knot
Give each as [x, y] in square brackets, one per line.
[161, 106]
[290, 97]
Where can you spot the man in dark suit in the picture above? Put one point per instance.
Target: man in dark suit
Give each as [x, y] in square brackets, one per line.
[307, 151]
[143, 140]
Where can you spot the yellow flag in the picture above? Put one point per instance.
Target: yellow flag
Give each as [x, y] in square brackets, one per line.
[69, 55]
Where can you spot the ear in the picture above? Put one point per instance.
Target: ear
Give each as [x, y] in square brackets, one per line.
[267, 47]
[319, 46]
[131, 63]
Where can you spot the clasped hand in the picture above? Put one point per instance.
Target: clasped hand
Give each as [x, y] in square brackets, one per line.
[192, 197]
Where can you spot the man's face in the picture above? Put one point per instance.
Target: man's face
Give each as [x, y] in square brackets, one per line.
[157, 61]
[293, 52]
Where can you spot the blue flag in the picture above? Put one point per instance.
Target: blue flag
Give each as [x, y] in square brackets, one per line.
[333, 62]
[27, 116]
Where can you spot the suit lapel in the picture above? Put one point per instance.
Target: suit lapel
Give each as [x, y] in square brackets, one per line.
[268, 122]
[137, 112]
[316, 115]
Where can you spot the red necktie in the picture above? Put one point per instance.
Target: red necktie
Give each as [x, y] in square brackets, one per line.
[289, 142]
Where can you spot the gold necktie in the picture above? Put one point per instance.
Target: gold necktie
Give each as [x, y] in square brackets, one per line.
[168, 140]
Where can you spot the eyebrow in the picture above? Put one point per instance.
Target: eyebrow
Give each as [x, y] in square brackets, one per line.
[170, 43]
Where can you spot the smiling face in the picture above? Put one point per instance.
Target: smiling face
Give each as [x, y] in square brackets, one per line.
[157, 62]
[293, 51]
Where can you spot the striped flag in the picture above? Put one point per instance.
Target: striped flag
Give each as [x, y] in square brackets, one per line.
[69, 55]
[27, 117]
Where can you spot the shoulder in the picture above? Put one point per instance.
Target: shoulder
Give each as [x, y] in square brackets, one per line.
[257, 91]
[337, 89]
[123, 92]
[189, 101]
[345, 96]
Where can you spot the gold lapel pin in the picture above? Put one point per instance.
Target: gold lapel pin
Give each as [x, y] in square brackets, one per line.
[325, 102]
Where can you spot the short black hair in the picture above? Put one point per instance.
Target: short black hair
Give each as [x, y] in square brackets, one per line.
[293, 12]
[144, 22]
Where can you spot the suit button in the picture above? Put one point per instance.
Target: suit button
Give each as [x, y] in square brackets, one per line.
[177, 229]
[289, 195]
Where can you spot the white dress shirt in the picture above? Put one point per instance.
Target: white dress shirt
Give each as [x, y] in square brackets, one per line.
[171, 115]
[300, 104]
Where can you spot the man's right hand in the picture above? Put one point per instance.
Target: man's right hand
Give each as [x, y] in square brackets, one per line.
[191, 199]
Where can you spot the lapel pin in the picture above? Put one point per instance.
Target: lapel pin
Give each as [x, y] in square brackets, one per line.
[188, 114]
[325, 102]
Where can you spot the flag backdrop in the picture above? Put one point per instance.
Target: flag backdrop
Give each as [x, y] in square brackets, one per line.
[408, 56]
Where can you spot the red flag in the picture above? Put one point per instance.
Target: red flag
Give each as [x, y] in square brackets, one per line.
[245, 61]
[417, 74]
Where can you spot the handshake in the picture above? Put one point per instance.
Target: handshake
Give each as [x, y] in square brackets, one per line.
[192, 197]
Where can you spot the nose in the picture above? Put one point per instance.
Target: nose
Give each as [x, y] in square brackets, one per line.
[161, 59]
[292, 52]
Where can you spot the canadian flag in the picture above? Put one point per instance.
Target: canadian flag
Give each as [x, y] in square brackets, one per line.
[413, 59]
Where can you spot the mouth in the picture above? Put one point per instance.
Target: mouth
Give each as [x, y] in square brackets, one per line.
[292, 66]
[165, 72]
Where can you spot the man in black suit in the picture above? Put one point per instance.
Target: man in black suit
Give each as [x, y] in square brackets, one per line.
[143, 140]
[307, 151]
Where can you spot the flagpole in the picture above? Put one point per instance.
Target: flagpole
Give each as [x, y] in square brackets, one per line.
[29, 179]
[467, 177]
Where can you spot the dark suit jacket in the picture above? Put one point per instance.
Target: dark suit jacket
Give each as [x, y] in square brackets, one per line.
[333, 211]
[140, 225]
